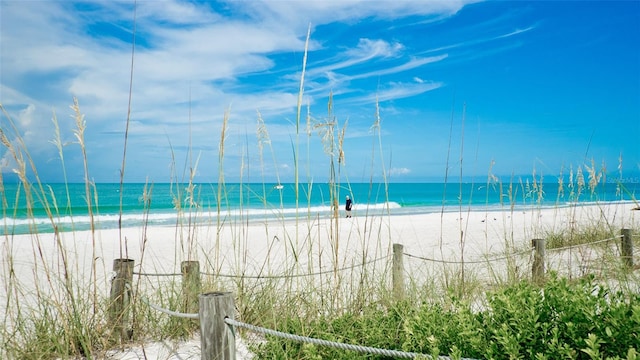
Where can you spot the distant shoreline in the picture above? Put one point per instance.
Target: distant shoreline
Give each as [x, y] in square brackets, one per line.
[234, 216]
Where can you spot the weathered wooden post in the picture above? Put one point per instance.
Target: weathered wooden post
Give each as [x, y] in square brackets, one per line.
[191, 285]
[217, 339]
[626, 250]
[120, 298]
[398, 271]
[538, 259]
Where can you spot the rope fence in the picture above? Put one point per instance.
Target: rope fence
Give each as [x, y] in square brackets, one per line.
[329, 271]
[170, 312]
[288, 336]
[156, 274]
[526, 252]
[587, 244]
[539, 257]
[216, 319]
[505, 257]
[324, 272]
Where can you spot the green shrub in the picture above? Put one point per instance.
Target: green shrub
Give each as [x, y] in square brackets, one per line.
[561, 320]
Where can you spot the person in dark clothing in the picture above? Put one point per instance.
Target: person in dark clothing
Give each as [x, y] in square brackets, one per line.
[347, 207]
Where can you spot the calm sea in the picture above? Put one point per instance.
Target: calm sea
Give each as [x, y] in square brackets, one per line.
[166, 204]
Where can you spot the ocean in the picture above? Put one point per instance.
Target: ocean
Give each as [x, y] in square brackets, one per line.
[168, 204]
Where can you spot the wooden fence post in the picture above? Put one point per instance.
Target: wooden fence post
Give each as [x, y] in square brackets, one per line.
[120, 298]
[190, 285]
[217, 339]
[626, 251]
[398, 271]
[538, 259]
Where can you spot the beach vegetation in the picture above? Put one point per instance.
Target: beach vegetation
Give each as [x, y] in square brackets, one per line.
[580, 319]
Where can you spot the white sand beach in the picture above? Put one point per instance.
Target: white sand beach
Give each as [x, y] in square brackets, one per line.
[256, 247]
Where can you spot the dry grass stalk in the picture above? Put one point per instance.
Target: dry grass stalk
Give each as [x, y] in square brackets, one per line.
[79, 134]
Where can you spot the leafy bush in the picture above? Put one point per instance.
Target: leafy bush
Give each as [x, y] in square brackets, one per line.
[561, 320]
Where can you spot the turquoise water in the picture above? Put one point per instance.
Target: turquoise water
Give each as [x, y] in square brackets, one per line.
[164, 204]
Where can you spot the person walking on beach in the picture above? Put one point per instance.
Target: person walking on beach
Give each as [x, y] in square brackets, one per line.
[347, 207]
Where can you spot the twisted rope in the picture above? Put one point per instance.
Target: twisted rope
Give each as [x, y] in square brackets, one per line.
[298, 275]
[154, 274]
[586, 244]
[298, 338]
[337, 345]
[467, 262]
[508, 256]
[170, 312]
[270, 276]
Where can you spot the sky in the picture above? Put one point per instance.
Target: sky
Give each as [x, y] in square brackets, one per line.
[410, 91]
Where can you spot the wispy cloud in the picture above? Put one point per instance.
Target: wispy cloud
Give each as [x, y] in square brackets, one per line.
[395, 91]
[473, 42]
[323, 12]
[399, 90]
[515, 32]
[399, 171]
[365, 51]
[410, 65]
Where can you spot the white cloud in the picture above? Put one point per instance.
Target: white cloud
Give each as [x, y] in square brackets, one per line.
[177, 12]
[365, 51]
[368, 49]
[479, 41]
[399, 171]
[28, 132]
[322, 11]
[191, 62]
[397, 91]
[412, 64]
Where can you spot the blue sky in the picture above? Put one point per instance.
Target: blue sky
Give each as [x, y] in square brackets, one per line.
[507, 87]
